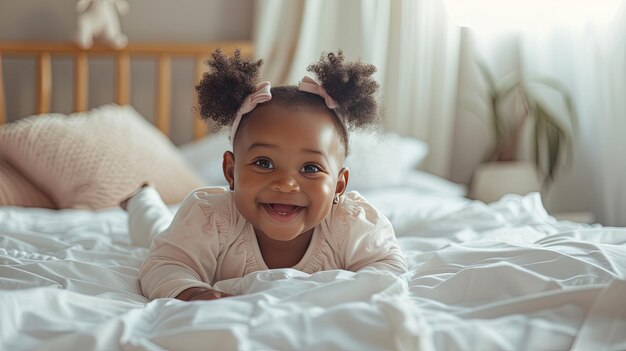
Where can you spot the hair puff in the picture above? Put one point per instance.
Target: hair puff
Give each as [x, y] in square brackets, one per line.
[225, 86]
[351, 85]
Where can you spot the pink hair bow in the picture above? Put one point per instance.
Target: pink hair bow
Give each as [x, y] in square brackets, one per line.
[260, 95]
[310, 85]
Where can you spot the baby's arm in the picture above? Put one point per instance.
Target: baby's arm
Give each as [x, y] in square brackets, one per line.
[184, 256]
[377, 249]
[370, 241]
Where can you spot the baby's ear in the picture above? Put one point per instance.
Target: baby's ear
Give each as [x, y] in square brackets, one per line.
[342, 181]
[228, 167]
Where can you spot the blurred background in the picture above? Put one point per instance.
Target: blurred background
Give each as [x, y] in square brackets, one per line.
[486, 84]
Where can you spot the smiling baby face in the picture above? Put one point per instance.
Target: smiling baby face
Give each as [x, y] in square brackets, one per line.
[286, 168]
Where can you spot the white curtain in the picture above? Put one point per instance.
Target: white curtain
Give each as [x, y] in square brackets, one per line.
[411, 42]
[584, 50]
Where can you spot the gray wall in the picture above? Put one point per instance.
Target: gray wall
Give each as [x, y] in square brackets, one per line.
[147, 21]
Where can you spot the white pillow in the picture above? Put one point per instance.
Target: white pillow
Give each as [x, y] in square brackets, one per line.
[205, 157]
[427, 182]
[379, 160]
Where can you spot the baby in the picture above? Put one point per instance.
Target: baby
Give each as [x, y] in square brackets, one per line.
[285, 206]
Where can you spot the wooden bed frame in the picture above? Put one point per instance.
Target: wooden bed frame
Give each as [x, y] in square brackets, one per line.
[162, 53]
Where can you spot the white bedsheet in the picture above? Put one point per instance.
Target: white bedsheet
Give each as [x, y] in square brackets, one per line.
[504, 276]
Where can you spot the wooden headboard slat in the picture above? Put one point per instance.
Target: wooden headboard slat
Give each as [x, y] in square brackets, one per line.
[44, 82]
[81, 78]
[163, 104]
[123, 79]
[199, 128]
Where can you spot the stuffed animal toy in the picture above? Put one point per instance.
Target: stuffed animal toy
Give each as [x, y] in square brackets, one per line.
[99, 19]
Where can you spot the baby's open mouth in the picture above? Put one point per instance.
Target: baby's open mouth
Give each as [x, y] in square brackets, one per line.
[282, 209]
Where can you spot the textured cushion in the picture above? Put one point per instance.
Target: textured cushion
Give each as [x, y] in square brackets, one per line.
[16, 190]
[92, 160]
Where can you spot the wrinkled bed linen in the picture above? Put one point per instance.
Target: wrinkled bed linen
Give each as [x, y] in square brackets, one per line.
[499, 276]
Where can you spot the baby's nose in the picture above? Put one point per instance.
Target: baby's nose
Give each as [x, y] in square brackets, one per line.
[286, 184]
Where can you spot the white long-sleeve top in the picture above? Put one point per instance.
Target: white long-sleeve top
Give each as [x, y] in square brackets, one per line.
[208, 241]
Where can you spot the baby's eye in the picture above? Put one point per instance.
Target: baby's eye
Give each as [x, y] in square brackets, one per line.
[263, 163]
[310, 169]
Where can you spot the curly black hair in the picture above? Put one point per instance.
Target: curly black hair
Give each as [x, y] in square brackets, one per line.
[351, 85]
[223, 89]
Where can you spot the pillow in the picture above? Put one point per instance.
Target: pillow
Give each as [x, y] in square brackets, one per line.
[427, 182]
[205, 157]
[377, 160]
[92, 160]
[15, 190]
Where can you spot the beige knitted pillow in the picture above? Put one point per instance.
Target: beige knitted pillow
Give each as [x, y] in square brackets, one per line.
[15, 190]
[92, 160]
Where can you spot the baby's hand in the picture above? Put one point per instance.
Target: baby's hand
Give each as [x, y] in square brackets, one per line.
[193, 294]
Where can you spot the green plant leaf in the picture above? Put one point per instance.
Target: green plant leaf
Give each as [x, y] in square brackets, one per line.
[507, 85]
[551, 138]
[555, 140]
[497, 123]
[537, 143]
[554, 145]
[563, 92]
[488, 77]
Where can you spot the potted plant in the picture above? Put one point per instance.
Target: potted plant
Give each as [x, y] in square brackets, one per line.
[524, 111]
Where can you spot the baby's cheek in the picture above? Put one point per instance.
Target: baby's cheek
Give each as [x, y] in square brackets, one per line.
[328, 191]
[326, 197]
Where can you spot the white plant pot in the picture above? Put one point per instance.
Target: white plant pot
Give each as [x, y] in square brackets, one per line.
[492, 180]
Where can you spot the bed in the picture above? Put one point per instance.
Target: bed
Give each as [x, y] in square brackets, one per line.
[498, 276]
